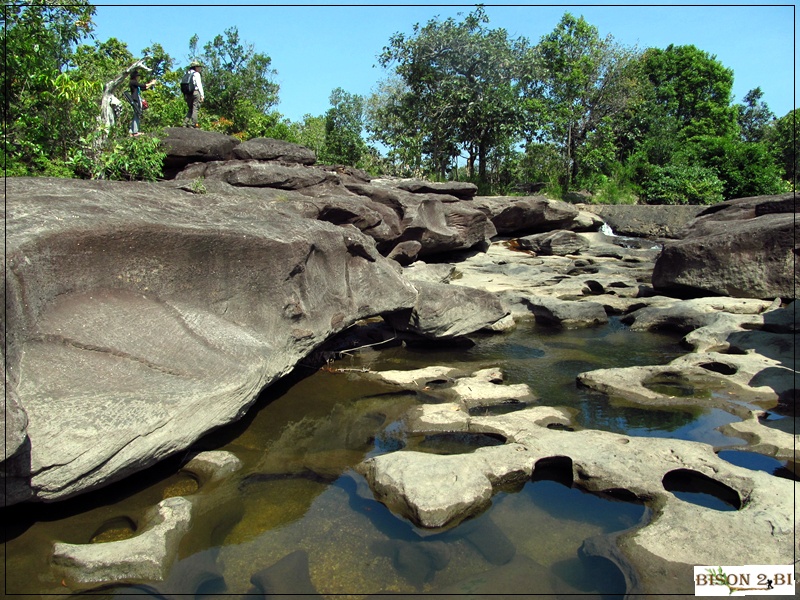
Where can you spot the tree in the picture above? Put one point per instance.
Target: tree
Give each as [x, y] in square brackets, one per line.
[460, 88]
[754, 116]
[387, 123]
[782, 140]
[344, 122]
[37, 94]
[237, 80]
[310, 132]
[693, 88]
[577, 83]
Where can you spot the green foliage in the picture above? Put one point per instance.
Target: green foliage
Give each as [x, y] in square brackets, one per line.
[745, 168]
[754, 116]
[457, 90]
[125, 159]
[236, 80]
[692, 87]
[343, 126]
[310, 133]
[44, 107]
[782, 141]
[575, 111]
[578, 83]
[199, 186]
[682, 184]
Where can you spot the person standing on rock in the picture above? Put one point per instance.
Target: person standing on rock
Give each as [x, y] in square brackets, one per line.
[136, 101]
[192, 89]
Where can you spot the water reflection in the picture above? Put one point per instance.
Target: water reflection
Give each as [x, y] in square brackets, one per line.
[296, 491]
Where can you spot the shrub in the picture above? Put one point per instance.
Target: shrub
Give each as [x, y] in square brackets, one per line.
[745, 168]
[682, 184]
[127, 159]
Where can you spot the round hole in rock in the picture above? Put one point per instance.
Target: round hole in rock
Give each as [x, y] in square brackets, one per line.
[621, 495]
[595, 287]
[670, 384]
[114, 530]
[553, 468]
[594, 576]
[735, 350]
[560, 427]
[721, 368]
[183, 483]
[457, 442]
[787, 403]
[697, 488]
[757, 462]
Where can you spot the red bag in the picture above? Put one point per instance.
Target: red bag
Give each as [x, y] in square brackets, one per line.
[145, 105]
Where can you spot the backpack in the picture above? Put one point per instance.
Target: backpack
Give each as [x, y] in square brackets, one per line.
[187, 83]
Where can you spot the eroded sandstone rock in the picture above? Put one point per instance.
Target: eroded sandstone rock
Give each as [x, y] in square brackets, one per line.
[141, 316]
[144, 557]
[275, 150]
[732, 249]
[526, 214]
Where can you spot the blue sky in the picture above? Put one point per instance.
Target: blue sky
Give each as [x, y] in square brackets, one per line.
[318, 48]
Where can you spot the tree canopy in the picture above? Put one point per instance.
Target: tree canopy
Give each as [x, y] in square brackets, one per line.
[460, 99]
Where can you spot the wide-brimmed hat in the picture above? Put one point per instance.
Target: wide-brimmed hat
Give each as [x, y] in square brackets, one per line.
[196, 63]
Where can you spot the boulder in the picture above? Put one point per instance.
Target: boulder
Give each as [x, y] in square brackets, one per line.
[730, 250]
[405, 253]
[526, 214]
[255, 173]
[559, 242]
[435, 272]
[438, 226]
[642, 220]
[445, 311]
[566, 313]
[457, 190]
[186, 145]
[141, 316]
[376, 220]
[274, 150]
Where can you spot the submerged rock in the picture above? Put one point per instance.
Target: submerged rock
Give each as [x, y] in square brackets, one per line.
[145, 557]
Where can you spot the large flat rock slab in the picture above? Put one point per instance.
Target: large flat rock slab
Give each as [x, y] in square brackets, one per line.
[141, 316]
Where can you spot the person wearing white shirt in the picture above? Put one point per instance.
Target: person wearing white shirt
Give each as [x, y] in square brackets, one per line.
[193, 93]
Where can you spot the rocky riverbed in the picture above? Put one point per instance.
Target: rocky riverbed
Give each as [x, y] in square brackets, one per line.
[142, 316]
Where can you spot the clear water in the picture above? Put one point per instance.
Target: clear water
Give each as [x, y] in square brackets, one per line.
[759, 462]
[297, 492]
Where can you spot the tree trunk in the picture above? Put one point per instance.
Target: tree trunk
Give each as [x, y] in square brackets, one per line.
[567, 174]
[482, 162]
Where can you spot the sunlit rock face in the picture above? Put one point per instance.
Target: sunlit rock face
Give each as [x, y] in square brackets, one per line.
[140, 316]
[744, 248]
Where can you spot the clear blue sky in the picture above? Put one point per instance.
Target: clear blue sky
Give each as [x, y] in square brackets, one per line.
[318, 48]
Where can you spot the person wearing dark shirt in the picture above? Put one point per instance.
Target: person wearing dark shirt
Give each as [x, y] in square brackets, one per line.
[136, 100]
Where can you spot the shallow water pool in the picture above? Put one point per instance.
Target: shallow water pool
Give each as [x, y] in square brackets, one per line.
[297, 513]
